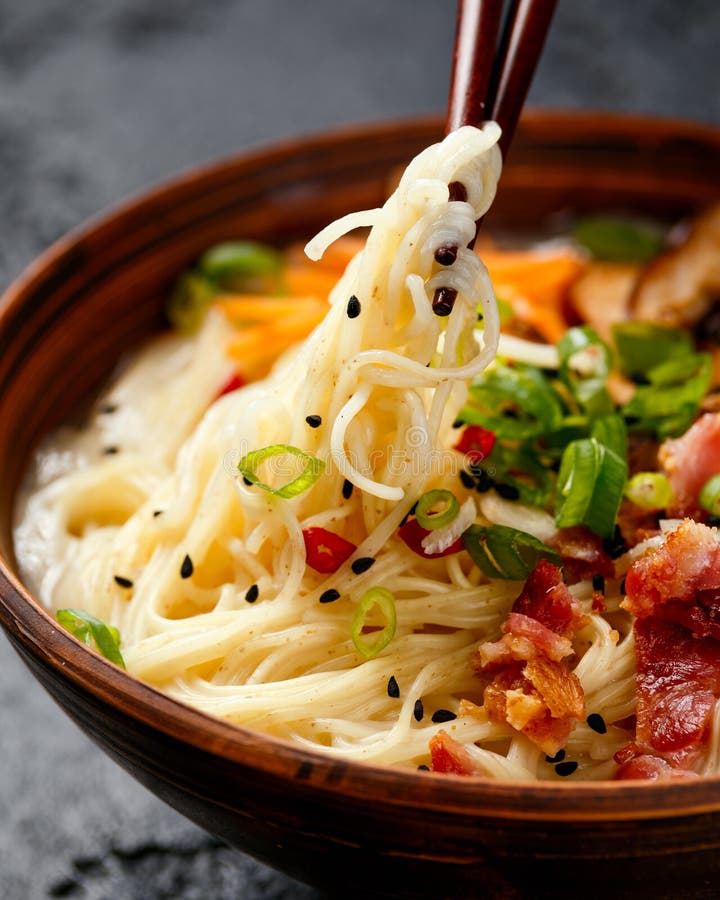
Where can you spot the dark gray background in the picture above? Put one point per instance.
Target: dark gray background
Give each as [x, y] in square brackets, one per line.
[101, 97]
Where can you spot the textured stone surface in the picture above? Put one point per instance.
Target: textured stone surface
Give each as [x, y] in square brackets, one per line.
[99, 98]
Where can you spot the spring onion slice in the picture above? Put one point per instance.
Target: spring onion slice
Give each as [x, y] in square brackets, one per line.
[232, 263]
[90, 630]
[710, 495]
[611, 432]
[374, 642]
[651, 490]
[503, 552]
[189, 301]
[589, 487]
[643, 345]
[449, 508]
[617, 240]
[314, 468]
[669, 403]
[585, 364]
[513, 402]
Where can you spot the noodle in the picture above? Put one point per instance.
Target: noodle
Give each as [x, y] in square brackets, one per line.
[387, 384]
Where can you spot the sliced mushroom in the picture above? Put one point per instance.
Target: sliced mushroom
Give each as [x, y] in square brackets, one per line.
[601, 295]
[679, 286]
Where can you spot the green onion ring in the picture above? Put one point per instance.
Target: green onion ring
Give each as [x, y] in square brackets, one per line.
[314, 468]
[431, 520]
[710, 495]
[370, 645]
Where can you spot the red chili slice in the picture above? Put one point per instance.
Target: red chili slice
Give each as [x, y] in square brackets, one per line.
[476, 443]
[232, 384]
[326, 551]
[412, 533]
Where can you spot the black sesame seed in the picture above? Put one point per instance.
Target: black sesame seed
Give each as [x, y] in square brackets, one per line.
[467, 480]
[566, 768]
[598, 582]
[156, 513]
[457, 191]
[353, 307]
[597, 723]
[328, 596]
[484, 482]
[446, 254]
[314, 421]
[123, 582]
[363, 564]
[107, 409]
[247, 481]
[443, 715]
[252, 593]
[187, 567]
[458, 423]
[347, 489]
[393, 688]
[423, 768]
[622, 587]
[110, 451]
[507, 491]
[418, 710]
[615, 546]
[443, 301]
[559, 757]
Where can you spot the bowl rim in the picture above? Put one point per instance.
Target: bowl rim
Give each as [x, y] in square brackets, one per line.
[31, 625]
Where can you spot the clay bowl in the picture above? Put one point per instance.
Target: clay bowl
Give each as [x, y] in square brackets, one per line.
[348, 827]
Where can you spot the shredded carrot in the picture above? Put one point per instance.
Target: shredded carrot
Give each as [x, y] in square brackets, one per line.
[535, 284]
[309, 280]
[240, 308]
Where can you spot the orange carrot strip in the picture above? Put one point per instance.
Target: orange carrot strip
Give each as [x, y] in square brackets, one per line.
[309, 281]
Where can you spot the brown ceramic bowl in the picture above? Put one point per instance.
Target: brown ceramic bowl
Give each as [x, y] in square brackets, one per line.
[347, 826]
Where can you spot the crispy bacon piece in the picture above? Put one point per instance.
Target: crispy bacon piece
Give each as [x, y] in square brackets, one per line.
[684, 570]
[651, 768]
[546, 599]
[675, 593]
[689, 461]
[533, 690]
[678, 682]
[582, 553]
[450, 757]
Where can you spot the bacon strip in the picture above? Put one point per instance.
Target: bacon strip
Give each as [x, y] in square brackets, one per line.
[450, 757]
[675, 593]
[688, 462]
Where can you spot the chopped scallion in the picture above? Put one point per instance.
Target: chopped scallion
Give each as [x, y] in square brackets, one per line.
[92, 631]
[650, 490]
[236, 265]
[589, 487]
[503, 552]
[585, 363]
[643, 345]
[430, 516]
[617, 240]
[314, 468]
[371, 643]
[710, 496]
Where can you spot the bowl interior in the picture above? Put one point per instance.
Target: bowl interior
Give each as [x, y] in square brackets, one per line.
[100, 291]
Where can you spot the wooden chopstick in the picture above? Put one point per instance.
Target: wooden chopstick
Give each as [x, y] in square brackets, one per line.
[490, 84]
[478, 25]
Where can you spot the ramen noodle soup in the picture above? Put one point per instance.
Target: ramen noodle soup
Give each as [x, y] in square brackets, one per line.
[353, 500]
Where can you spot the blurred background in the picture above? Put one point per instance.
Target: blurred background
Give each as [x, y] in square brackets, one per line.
[102, 97]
